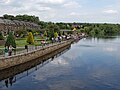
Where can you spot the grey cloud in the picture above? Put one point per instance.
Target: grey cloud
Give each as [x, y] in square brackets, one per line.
[60, 10]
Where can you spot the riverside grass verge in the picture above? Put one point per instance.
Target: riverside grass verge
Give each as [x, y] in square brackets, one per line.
[21, 42]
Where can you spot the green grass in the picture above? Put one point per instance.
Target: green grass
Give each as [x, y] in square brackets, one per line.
[1, 46]
[21, 42]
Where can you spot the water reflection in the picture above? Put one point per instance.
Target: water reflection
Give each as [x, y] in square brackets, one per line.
[88, 65]
[26, 69]
[10, 81]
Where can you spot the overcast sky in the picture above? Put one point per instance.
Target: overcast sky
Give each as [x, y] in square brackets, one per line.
[99, 11]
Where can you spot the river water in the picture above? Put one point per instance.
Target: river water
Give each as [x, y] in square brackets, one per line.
[90, 64]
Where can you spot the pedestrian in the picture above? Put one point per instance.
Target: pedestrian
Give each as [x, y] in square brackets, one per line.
[10, 50]
[52, 40]
[26, 47]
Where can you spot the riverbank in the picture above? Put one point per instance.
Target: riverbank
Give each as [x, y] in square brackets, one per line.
[13, 71]
[28, 56]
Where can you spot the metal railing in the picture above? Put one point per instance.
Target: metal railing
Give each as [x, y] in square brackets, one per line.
[30, 49]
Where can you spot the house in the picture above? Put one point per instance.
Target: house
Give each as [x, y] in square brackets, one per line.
[14, 25]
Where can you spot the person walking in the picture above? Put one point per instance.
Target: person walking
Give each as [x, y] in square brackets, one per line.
[10, 50]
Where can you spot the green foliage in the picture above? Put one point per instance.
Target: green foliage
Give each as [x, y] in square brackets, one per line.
[101, 30]
[27, 18]
[101, 33]
[89, 28]
[65, 25]
[93, 29]
[21, 33]
[45, 34]
[55, 34]
[52, 28]
[30, 38]
[1, 36]
[92, 33]
[10, 40]
[8, 17]
[22, 18]
[50, 34]
[43, 24]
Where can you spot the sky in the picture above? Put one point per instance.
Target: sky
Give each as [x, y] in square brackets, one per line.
[84, 11]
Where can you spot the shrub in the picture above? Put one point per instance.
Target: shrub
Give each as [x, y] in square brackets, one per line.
[30, 38]
[10, 40]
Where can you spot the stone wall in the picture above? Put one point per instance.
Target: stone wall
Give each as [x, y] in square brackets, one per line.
[26, 57]
[12, 71]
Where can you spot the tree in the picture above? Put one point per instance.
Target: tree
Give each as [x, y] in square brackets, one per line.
[55, 34]
[10, 40]
[101, 33]
[1, 36]
[52, 28]
[42, 24]
[45, 34]
[10, 17]
[92, 33]
[30, 38]
[27, 18]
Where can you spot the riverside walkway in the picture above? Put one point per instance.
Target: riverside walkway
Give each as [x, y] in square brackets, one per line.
[32, 54]
[30, 49]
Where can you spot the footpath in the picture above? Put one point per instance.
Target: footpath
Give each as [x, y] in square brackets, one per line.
[36, 52]
[30, 49]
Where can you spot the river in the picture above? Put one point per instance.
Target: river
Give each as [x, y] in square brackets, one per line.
[90, 64]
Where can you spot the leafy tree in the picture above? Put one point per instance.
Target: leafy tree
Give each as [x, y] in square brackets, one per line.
[11, 17]
[10, 40]
[92, 33]
[45, 34]
[88, 28]
[1, 36]
[50, 34]
[55, 34]
[101, 33]
[52, 28]
[61, 25]
[22, 18]
[27, 18]
[30, 38]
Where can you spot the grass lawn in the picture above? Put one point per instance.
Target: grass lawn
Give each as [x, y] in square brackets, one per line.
[22, 42]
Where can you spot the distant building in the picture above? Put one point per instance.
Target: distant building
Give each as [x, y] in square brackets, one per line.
[15, 25]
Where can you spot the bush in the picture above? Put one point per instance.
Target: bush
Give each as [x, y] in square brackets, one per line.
[55, 34]
[30, 39]
[10, 40]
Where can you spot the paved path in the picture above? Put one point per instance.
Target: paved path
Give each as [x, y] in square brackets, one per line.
[30, 49]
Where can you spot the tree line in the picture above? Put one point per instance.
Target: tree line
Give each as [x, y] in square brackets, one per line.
[91, 29]
[101, 30]
[27, 18]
